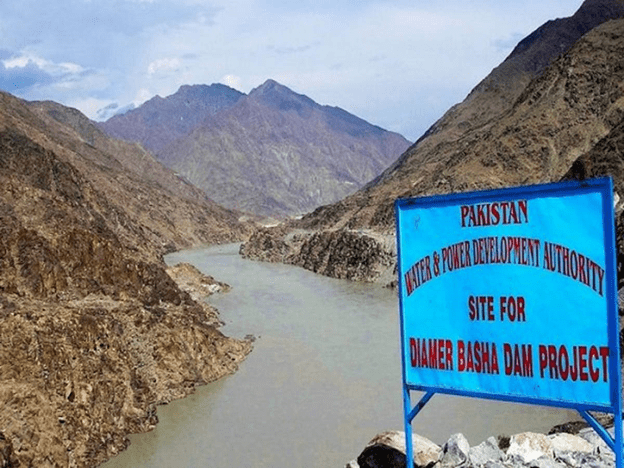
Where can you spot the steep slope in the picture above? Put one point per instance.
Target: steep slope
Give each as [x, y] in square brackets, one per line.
[159, 121]
[558, 117]
[497, 92]
[174, 211]
[277, 152]
[93, 332]
[132, 156]
[606, 158]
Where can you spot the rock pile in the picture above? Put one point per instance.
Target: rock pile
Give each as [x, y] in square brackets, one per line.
[524, 450]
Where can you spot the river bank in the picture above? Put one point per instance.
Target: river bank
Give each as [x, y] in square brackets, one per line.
[78, 376]
[324, 377]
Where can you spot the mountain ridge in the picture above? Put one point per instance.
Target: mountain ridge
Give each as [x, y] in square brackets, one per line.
[132, 156]
[452, 126]
[275, 152]
[159, 121]
[535, 135]
[504, 84]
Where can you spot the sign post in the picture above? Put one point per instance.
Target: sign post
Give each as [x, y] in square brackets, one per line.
[511, 295]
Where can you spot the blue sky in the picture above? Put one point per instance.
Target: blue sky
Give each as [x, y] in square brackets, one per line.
[398, 64]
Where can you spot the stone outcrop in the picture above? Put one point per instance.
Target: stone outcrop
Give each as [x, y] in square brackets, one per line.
[194, 282]
[524, 450]
[344, 254]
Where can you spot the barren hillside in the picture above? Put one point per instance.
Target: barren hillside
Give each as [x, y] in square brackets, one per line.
[94, 332]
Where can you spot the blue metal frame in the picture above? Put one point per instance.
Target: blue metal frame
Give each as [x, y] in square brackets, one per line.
[604, 186]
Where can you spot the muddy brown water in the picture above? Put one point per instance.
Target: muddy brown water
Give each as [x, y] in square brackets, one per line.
[323, 379]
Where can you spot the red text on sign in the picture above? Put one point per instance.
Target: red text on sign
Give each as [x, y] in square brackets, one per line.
[581, 363]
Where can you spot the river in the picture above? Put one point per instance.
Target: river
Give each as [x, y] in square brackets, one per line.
[324, 377]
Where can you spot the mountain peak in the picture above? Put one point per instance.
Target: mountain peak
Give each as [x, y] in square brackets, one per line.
[281, 97]
[271, 88]
[159, 121]
[203, 91]
[268, 85]
[539, 48]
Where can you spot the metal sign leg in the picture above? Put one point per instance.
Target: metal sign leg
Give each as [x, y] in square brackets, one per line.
[409, 414]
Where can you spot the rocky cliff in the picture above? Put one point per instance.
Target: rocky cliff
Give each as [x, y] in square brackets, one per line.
[93, 331]
[561, 115]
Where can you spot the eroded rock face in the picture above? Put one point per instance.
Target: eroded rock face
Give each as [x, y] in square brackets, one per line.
[269, 245]
[344, 254]
[94, 333]
[77, 377]
[7, 456]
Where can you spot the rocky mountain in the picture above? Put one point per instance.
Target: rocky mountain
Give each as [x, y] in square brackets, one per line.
[132, 156]
[499, 90]
[271, 153]
[277, 153]
[94, 332]
[159, 121]
[505, 133]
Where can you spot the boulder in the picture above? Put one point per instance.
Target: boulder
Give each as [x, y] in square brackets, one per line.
[493, 464]
[455, 452]
[387, 450]
[544, 461]
[594, 439]
[487, 451]
[569, 443]
[529, 446]
[584, 460]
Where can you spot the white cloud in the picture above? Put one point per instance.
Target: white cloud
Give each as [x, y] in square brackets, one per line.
[35, 77]
[165, 65]
[232, 81]
[54, 69]
[17, 62]
[142, 95]
[398, 64]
